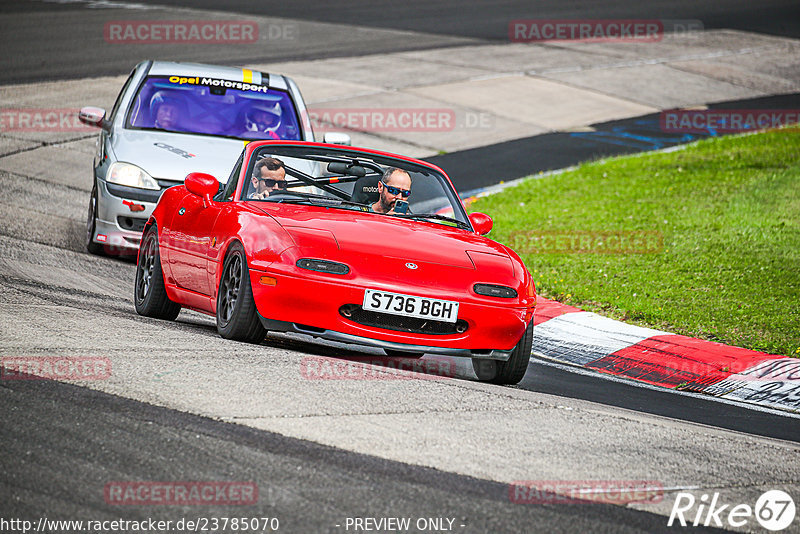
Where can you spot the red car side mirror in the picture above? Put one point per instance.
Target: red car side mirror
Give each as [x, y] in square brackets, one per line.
[481, 222]
[203, 185]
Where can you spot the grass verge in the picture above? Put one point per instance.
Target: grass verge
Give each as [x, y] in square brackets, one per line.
[703, 241]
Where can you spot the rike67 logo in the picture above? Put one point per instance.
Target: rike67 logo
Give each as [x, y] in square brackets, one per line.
[774, 510]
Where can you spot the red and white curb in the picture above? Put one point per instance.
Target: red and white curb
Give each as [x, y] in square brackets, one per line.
[568, 335]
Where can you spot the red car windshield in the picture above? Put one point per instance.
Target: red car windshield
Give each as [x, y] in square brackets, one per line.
[242, 111]
[349, 179]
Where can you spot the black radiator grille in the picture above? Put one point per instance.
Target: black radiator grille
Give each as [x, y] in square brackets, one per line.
[400, 323]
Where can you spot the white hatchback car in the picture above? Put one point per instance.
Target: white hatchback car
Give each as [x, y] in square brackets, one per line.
[171, 119]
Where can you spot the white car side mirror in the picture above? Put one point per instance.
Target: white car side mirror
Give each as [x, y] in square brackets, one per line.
[93, 116]
[336, 138]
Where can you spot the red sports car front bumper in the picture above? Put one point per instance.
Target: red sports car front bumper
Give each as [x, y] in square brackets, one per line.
[311, 304]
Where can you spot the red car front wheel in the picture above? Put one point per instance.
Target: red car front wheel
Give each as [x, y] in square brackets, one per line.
[237, 316]
[512, 370]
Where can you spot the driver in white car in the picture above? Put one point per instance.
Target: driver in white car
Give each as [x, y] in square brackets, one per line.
[262, 120]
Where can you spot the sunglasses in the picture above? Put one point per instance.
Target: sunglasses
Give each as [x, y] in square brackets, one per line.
[269, 182]
[397, 191]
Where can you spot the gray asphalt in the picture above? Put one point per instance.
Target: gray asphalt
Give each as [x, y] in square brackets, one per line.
[56, 41]
[62, 444]
[52, 40]
[487, 19]
[558, 150]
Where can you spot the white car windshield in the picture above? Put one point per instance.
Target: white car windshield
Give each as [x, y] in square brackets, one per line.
[219, 108]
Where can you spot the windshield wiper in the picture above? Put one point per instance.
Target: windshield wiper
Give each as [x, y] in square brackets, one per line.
[435, 216]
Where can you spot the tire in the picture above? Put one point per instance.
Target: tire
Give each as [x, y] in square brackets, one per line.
[237, 316]
[402, 353]
[149, 295]
[512, 370]
[91, 225]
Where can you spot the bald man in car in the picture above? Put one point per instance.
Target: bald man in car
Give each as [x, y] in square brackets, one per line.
[395, 184]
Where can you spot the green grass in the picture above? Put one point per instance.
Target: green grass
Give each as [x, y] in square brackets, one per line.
[729, 212]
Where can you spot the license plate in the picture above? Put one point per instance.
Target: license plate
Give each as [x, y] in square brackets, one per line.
[410, 306]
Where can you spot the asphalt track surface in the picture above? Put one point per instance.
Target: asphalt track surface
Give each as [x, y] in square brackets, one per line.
[61, 443]
[38, 38]
[75, 440]
[489, 20]
[563, 149]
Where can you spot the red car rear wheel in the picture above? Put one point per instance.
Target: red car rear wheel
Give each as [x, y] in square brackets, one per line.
[150, 297]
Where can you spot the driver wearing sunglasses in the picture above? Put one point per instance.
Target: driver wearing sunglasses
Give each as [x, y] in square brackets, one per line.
[269, 174]
[395, 184]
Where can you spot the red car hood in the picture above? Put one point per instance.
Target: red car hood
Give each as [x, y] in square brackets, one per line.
[368, 237]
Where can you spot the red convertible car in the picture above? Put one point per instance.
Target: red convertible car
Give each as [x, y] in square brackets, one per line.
[340, 243]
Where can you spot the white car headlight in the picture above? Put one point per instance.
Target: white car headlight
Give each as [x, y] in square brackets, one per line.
[130, 175]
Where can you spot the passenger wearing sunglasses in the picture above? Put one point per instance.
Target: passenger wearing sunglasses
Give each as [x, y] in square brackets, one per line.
[268, 175]
[395, 184]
